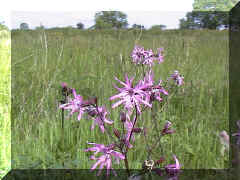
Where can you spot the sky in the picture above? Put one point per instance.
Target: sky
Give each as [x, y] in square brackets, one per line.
[53, 13]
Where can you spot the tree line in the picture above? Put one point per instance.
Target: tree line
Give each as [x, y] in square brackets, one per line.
[207, 14]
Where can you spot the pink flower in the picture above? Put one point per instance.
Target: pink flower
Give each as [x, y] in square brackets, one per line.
[106, 158]
[159, 55]
[138, 54]
[166, 129]
[75, 105]
[153, 92]
[177, 78]
[100, 118]
[224, 139]
[130, 96]
[148, 57]
[141, 56]
[173, 169]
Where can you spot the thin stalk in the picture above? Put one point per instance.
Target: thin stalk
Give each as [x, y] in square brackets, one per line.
[125, 153]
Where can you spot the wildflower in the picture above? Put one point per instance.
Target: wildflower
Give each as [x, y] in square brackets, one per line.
[157, 91]
[166, 129]
[224, 138]
[177, 78]
[160, 160]
[66, 91]
[148, 57]
[137, 54]
[141, 56]
[75, 105]
[100, 113]
[123, 117]
[173, 169]
[106, 158]
[148, 79]
[238, 133]
[130, 96]
[159, 56]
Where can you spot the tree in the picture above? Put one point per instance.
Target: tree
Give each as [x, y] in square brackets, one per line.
[3, 26]
[41, 27]
[110, 19]
[24, 26]
[80, 25]
[158, 27]
[214, 5]
[137, 26]
[202, 20]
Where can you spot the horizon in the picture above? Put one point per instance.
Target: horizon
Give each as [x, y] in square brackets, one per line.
[51, 19]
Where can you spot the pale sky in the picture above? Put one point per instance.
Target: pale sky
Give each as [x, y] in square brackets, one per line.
[52, 13]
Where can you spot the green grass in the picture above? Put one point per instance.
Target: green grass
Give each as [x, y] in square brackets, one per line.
[88, 61]
[5, 127]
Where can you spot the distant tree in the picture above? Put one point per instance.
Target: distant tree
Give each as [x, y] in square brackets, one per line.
[213, 5]
[204, 20]
[137, 26]
[24, 26]
[158, 27]
[40, 27]
[110, 19]
[3, 26]
[80, 25]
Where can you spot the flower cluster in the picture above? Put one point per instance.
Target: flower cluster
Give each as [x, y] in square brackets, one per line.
[106, 158]
[141, 56]
[144, 93]
[131, 96]
[134, 98]
[77, 104]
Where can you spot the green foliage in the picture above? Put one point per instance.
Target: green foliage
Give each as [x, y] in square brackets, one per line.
[2, 26]
[88, 61]
[110, 19]
[5, 102]
[201, 20]
[214, 5]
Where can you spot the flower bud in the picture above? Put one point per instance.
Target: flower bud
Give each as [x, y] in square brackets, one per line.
[166, 129]
[160, 161]
[116, 132]
[145, 131]
[123, 117]
[65, 90]
[137, 130]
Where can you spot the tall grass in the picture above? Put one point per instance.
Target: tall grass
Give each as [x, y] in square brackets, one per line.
[88, 61]
[5, 103]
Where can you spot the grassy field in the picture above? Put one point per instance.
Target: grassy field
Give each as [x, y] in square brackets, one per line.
[5, 127]
[88, 61]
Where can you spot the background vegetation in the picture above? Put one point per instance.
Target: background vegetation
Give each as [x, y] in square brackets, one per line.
[88, 61]
[5, 105]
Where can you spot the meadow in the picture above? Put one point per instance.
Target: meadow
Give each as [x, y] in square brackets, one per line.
[5, 103]
[88, 61]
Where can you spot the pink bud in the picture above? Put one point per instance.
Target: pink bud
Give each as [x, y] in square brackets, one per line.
[137, 130]
[116, 132]
[123, 117]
